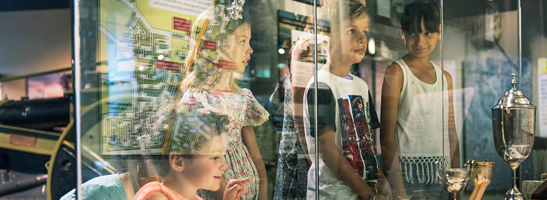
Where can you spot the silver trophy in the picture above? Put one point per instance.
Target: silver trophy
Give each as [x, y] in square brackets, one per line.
[481, 176]
[513, 121]
[454, 179]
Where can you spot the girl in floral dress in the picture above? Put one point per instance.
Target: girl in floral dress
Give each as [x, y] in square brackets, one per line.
[220, 38]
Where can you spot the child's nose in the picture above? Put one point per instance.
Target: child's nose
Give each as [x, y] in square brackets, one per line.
[250, 50]
[223, 166]
[421, 38]
[361, 38]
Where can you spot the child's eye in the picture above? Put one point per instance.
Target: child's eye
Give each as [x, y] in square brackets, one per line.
[366, 33]
[351, 31]
[409, 33]
[242, 42]
[216, 158]
[428, 33]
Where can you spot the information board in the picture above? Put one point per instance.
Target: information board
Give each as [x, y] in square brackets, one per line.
[142, 48]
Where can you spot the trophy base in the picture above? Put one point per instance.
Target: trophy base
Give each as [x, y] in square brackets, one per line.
[513, 194]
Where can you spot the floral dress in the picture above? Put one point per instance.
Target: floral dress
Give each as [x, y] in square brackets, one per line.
[243, 110]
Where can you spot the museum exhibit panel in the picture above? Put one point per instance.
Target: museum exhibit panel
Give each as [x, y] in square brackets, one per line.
[290, 99]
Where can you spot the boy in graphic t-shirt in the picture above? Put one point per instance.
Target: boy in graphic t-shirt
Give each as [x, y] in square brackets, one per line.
[348, 167]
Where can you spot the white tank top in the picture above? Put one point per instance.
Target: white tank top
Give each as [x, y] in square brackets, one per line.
[422, 125]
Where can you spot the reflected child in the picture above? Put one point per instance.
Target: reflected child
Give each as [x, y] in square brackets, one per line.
[220, 48]
[194, 158]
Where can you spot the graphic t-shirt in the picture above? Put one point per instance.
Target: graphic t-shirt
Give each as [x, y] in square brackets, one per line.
[345, 105]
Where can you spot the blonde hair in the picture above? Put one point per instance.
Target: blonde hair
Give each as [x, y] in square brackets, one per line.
[212, 25]
[196, 131]
[336, 11]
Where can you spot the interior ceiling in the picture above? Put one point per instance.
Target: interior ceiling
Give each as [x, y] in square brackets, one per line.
[20, 5]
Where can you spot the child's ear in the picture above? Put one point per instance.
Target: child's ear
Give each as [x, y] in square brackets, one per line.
[440, 32]
[176, 161]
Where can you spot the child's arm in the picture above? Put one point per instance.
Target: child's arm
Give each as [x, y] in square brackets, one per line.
[339, 165]
[235, 189]
[452, 134]
[249, 139]
[384, 189]
[391, 89]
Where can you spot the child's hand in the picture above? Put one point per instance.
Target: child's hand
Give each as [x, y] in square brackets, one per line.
[384, 190]
[235, 189]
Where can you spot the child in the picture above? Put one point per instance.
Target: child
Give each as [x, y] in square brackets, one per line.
[210, 79]
[347, 165]
[196, 157]
[292, 169]
[417, 111]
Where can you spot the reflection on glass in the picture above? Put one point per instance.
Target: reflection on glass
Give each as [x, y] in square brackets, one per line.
[418, 128]
[221, 35]
[348, 167]
[193, 156]
[293, 162]
[145, 49]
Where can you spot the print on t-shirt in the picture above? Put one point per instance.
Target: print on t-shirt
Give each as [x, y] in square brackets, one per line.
[357, 138]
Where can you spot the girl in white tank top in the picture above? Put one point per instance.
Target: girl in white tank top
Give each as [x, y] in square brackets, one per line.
[417, 132]
[422, 126]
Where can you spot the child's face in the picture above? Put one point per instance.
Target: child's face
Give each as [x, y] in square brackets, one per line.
[242, 49]
[349, 43]
[421, 44]
[205, 171]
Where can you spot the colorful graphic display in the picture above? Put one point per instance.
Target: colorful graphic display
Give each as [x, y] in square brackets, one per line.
[142, 48]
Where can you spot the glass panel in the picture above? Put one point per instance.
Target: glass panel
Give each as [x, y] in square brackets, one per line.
[340, 125]
[416, 132]
[354, 97]
[191, 93]
[297, 34]
[347, 118]
[483, 42]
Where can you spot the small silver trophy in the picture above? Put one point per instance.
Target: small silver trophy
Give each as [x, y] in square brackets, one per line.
[513, 121]
[454, 179]
[481, 176]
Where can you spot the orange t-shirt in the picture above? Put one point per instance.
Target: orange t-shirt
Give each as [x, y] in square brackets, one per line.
[156, 187]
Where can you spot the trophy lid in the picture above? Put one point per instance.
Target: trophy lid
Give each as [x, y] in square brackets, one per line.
[513, 98]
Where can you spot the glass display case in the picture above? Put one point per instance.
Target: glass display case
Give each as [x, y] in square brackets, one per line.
[273, 99]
